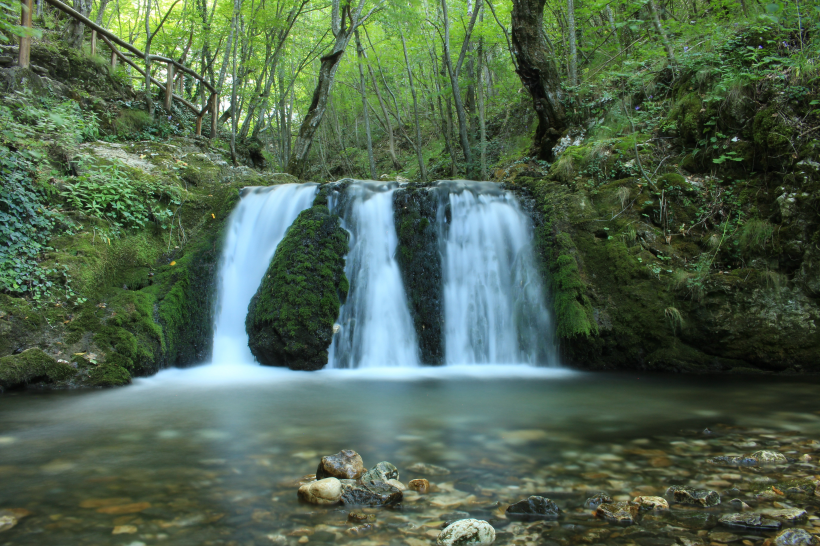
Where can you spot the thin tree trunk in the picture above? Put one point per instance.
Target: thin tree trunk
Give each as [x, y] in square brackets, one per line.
[234, 108]
[419, 156]
[659, 28]
[365, 112]
[573, 46]
[149, 100]
[462, 117]
[481, 114]
[391, 139]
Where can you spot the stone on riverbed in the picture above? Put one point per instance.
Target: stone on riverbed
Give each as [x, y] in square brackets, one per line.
[785, 514]
[751, 521]
[421, 485]
[534, 508]
[597, 500]
[325, 491]
[618, 512]
[766, 457]
[473, 532]
[428, 469]
[794, 537]
[651, 503]
[369, 493]
[345, 465]
[382, 472]
[7, 520]
[696, 497]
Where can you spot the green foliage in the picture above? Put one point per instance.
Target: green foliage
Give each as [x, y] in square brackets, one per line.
[755, 234]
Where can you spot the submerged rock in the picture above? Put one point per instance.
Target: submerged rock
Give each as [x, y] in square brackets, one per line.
[651, 503]
[464, 532]
[769, 457]
[785, 514]
[7, 520]
[382, 472]
[597, 499]
[290, 318]
[428, 469]
[733, 460]
[794, 537]
[534, 508]
[325, 491]
[345, 465]
[618, 512]
[369, 493]
[748, 520]
[696, 497]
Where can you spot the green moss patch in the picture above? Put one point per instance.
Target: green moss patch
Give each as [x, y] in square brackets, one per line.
[32, 365]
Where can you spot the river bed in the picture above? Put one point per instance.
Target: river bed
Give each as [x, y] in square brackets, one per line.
[214, 455]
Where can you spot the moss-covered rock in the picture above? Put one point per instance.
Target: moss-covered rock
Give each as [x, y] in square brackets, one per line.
[415, 211]
[290, 318]
[31, 366]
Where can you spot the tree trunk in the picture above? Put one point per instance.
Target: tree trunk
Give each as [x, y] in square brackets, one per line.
[419, 156]
[234, 108]
[462, 116]
[539, 74]
[659, 28]
[573, 46]
[74, 30]
[298, 163]
[481, 114]
[391, 139]
[366, 112]
[149, 99]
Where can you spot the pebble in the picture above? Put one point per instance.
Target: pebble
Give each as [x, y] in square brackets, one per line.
[124, 530]
[747, 520]
[696, 497]
[769, 457]
[428, 469]
[382, 472]
[651, 503]
[794, 537]
[369, 493]
[534, 507]
[785, 514]
[467, 532]
[597, 499]
[618, 512]
[7, 520]
[324, 491]
[420, 484]
[345, 465]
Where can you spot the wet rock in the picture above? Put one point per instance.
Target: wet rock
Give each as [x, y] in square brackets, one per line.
[618, 512]
[794, 537]
[428, 469]
[723, 538]
[696, 497]
[324, 491]
[690, 541]
[7, 520]
[750, 521]
[124, 530]
[382, 472]
[597, 499]
[739, 505]
[534, 508]
[732, 460]
[421, 485]
[766, 457]
[359, 530]
[785, 514]
[694, 520]
[397, 484]
[651, 503]
[467, 532]
[369, 493]
[345, 465]
[360, 517]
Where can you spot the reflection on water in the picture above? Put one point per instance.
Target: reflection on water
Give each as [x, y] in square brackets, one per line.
[212, 455]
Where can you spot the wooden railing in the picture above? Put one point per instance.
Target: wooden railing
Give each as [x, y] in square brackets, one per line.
[110, 40]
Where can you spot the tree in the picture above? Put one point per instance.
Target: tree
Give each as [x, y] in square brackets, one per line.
[538, 73]
[344, 21]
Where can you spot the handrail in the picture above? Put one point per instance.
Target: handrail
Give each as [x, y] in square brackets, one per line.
[108, 37]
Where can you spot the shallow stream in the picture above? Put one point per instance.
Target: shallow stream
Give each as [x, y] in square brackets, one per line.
[213, 455]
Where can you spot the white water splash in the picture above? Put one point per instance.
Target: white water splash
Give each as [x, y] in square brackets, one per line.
[375, 325]
[255, 228]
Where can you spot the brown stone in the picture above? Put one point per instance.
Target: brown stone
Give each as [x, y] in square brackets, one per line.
[345, 465]
[421, 485]
[132, 508]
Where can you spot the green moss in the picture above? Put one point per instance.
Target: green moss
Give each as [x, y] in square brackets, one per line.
[129, 122]
[109, 374]
[688, 119]
[771, 135]
[32, 365]
[290, 318]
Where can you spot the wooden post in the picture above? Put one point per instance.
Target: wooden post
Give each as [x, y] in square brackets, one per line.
[93, 42]
[25, 41]
[214, 112]
[199, 126]
[169, 88]
[113, 60]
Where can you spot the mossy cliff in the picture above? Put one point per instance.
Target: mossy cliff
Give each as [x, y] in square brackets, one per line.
[688, 240]
[290, 318]
[418, 255]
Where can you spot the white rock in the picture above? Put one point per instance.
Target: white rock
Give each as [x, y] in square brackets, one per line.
[467, 531]
[326, 491]
[397, 484]
[795, 537]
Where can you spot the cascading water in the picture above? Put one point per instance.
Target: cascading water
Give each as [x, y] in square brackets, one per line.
[375, 324]
[255, 228]
[494, 300]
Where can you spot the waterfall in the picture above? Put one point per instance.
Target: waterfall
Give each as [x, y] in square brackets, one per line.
[255, 228]
[494, 299]
[375, 324]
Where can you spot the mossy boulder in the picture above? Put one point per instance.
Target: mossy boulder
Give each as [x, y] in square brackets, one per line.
[290, 318]
[32, 366]
[415, 209]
